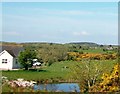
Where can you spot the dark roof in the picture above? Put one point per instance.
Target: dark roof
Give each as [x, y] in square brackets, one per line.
[13, 50]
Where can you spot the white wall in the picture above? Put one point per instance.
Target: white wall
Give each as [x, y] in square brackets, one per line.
[9, 58]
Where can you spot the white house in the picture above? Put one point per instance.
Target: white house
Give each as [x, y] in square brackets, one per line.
[8, 58]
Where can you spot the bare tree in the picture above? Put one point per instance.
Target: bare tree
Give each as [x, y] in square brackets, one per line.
[86, 73]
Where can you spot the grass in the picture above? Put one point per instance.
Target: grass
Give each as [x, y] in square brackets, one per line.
[98, 50]
[57, 70]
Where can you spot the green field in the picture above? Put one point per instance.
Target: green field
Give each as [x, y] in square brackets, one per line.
[56, 70]
[98, 50]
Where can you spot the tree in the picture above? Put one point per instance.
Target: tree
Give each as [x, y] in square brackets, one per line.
[86, 73]
[25, 58]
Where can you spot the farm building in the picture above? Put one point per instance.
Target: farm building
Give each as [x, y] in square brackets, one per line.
[8, 57]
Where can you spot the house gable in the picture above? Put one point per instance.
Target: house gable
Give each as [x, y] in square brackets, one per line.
[5, 52]
[6, 60]
[13, 50]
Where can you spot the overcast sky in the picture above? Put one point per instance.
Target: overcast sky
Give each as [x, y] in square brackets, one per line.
[60, 22]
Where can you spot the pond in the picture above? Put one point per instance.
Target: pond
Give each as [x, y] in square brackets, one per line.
[61, 87]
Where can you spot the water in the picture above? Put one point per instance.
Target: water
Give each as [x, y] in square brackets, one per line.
[61, 87]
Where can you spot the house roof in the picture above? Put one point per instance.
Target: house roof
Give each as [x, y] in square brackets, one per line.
[12, 50]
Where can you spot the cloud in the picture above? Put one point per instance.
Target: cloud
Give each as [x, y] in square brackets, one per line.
[82, 33]
[59, 1]
[71, 12]
[74, 12]
[112, 14]
[80, 13]
[12, 33]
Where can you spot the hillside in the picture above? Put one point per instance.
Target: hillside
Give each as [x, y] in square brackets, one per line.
[90, 44]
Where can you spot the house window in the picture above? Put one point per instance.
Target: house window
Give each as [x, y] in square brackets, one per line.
[4, 60]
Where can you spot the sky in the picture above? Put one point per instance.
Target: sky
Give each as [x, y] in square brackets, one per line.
[60, 22]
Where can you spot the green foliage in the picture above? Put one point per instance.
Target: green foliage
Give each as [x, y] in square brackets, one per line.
[25, 58]
[49, 52]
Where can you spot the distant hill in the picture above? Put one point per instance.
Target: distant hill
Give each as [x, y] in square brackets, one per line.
[77, 43]
[10, 44]
[90, 44]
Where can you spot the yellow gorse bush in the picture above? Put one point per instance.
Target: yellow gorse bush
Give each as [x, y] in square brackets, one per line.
[110, 82]
[78, 56]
